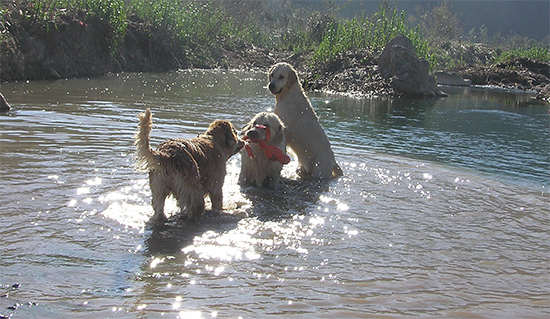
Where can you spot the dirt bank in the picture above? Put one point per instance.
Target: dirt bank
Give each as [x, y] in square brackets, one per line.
[519, 73]
[81, 45]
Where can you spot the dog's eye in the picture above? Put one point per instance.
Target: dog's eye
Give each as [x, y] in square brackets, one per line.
[281, 76]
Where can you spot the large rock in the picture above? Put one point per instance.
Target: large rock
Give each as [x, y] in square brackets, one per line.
[408, 75]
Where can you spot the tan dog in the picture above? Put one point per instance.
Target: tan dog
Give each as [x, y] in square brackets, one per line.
[187, 169]
[304, 133]
[265, 152]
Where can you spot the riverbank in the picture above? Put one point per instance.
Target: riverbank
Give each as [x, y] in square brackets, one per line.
[77, 44]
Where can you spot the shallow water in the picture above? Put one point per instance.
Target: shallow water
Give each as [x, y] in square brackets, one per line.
[442, 212]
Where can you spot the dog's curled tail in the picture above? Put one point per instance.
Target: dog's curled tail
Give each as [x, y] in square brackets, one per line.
[145, 157]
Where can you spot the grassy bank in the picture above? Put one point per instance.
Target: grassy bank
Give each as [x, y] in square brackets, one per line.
[202, 27]
[199, 30]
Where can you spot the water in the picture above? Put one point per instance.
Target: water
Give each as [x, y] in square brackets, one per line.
[443, 210]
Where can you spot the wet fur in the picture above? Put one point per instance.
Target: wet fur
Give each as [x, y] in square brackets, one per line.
[304, 134]
[188, 169]
[260, 171]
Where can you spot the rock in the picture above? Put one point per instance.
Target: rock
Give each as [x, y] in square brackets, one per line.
[408, 75]
[454, 79]
[544, 94]
[4, 106]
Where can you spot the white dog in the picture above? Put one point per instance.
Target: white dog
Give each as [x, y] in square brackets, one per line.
[265, 151]
[304, 133]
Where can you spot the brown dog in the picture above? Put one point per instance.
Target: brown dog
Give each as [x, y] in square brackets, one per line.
[187, 169]
[265, 151]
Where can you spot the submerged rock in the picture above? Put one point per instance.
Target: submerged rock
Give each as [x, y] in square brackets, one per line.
[408, 75]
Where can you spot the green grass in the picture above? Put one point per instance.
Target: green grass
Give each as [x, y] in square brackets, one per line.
[538, 53]
[370, 33]
[202, 27]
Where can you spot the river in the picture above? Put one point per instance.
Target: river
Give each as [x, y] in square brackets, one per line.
[442, 212]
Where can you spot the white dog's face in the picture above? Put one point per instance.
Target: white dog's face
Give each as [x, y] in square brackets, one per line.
[260, 124]
[281, 77]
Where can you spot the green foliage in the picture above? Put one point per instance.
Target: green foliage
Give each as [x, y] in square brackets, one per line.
[202, 27]
[44, 11]
[198, 24]
[112, 11]
[371, 33]
[537, 53]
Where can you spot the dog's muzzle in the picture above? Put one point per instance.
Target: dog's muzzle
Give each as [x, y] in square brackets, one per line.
[272, 87]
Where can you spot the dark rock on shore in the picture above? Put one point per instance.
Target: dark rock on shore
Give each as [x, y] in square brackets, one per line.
[408, 75]
[396, 72]
[353, 73]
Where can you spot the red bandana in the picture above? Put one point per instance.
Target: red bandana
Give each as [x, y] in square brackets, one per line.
[272, 152]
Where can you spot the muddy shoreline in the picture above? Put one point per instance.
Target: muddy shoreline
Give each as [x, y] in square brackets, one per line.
[79, 45]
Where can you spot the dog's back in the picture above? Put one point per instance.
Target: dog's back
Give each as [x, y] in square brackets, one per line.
[173, 152]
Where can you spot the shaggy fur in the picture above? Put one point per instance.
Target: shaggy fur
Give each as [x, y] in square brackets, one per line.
[261, 171]
[304, 134]
[187, 169]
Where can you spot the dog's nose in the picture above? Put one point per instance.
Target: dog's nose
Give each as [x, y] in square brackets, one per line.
[271, 86]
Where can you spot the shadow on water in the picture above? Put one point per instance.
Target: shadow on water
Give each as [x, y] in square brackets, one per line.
[266, 205]
[292, 199]
[171, 237]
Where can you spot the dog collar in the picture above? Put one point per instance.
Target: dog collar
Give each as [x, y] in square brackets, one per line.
[272, 152]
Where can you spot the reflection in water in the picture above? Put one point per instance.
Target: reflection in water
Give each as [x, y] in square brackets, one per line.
[494, 132]
[442, 212]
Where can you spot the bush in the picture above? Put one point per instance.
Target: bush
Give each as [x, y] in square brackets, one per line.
[371, 33]
[537, 53]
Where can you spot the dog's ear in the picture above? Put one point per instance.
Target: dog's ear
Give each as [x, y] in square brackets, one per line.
[230, 136]
[270, 72]
[279, 136]
[292, 77]
[224, 133]
[247, 127]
